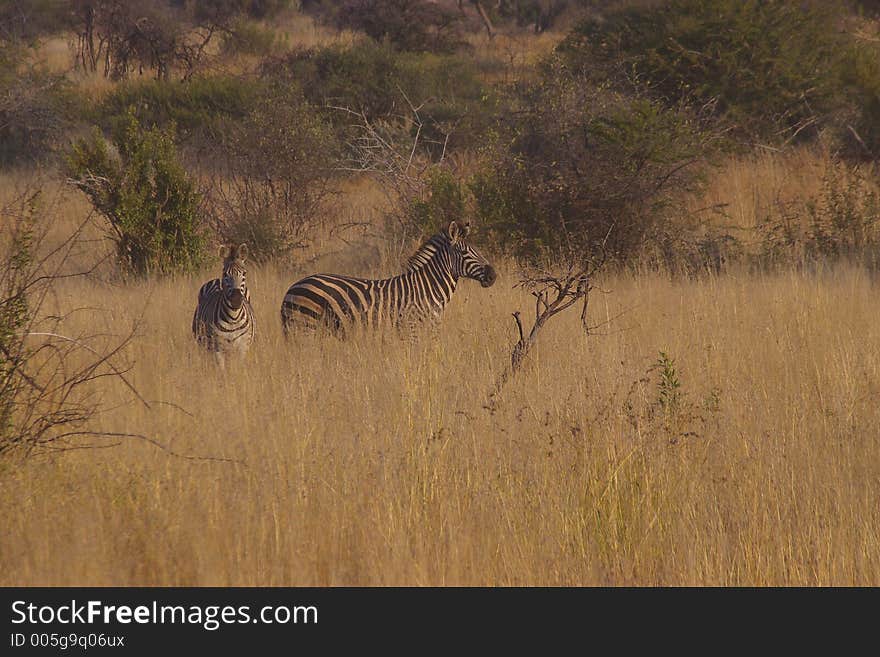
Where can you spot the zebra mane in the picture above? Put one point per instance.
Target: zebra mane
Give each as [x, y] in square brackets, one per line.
[426, 252]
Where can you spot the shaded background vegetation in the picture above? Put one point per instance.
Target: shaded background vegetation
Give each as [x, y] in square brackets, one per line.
[598, 141]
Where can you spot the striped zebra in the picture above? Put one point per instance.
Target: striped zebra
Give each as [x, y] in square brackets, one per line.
[224, 320]
[419, 294]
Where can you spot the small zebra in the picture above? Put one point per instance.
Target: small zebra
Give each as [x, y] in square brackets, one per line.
[419, 294]
[224, 320]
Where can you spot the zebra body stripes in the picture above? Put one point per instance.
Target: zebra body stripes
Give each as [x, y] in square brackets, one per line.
[224, 320]
[341, 303]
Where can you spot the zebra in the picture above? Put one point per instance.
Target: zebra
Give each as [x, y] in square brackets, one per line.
[415, 296]
[224, 320]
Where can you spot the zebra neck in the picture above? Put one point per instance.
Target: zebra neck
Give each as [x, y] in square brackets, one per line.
[232, 307]
[433, 283]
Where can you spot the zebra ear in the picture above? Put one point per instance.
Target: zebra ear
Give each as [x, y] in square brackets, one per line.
[453, 231]
[241, 252]
[223, 251]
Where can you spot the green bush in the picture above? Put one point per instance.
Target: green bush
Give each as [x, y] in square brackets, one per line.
[15, 315]
[248, 38]
[445, 200]
[151, 204]
[271, 176]
[861, 78]
[839, 223]
[769, 67]
[843, 220]
[24, 21]
[197, 108]
[48, 370]
[413, 25]
[589, 170]
[381, 82]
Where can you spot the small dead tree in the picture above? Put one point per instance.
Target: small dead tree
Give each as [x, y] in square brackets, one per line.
[392, 150]
[556, 288]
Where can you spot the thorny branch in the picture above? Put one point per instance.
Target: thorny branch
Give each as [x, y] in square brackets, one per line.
[392, 150]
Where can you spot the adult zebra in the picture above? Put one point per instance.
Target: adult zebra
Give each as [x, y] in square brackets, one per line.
[419, 294]
[224, 320]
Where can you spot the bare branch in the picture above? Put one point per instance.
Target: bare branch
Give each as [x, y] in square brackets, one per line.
[554, 292]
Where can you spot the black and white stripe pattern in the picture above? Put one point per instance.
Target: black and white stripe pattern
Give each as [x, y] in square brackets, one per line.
[420, 293]
[224, 320]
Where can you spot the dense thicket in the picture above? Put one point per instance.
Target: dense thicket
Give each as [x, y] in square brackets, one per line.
[769, 70]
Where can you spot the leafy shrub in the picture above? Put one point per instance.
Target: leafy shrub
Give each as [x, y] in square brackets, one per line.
[24, 21]
[198, 107]
[272, 176]
[861, 78]
[444, 200]
[151, 34]
[771, 68]
[413, 25]
[46, 375]
[839, 223]
[254, 8]
[380, 82]
[540, 14]
[248, 38]
[587, 169]
[843, 220]
[137, 184]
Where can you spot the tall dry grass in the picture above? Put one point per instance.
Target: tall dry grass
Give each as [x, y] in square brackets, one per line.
[374, 462]
[371, 461]
[746, 189]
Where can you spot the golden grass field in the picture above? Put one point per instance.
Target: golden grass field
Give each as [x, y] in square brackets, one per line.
[372, 461]
[376, 462]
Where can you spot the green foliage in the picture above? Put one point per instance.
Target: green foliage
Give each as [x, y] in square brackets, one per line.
[843, 221]
[146, 196]
[839, 223]
[588, 170]
[198, 107]
[47, 373]
[265, 8]
[861, 79]
[24, 21]
[380, 82]
[413, 25]
[669, 393]
[272, 175]
[361, 77]
[445, 201]
[15, 313]
[249, 38]
[770, 67]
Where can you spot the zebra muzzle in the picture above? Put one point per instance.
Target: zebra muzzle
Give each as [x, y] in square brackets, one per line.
[489, 277]
[235, 298]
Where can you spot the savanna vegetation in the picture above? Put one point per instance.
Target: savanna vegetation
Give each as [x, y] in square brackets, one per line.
[680, 198]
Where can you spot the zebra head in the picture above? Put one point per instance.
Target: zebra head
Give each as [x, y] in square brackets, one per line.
[233, 284]
[466, 262]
